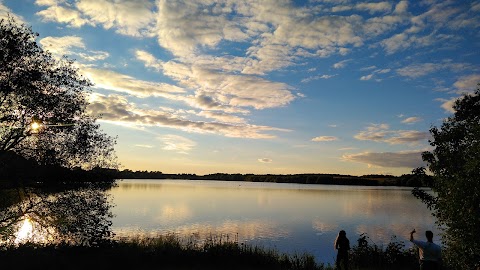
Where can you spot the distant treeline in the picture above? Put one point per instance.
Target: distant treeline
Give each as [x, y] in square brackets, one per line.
[15, 170]
[411, 180]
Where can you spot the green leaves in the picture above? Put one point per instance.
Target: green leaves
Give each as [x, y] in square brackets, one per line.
[454, 163]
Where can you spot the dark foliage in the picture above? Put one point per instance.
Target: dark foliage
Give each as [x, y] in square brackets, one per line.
[366, 254]
[326, 179]
[43, 106]
[455, 164]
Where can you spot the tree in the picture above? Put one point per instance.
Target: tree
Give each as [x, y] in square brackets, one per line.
[43, 106]
[455, 165]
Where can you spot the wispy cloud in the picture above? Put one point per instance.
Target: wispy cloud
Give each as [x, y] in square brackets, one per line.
[71, 45]
[318, 77]
[324, 139]
[371, 75]
[144, 145]
[419, 70]
[411, 120]
[382, 133]
[341, 64]
[412, 159]
[118, 110]
[464, 85]
[265, 160]
[177, 143]
[118, 82]
[133, 18]
[5, 12]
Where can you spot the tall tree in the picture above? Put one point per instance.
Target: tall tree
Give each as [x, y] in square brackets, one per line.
[455, 164]
[43, 105]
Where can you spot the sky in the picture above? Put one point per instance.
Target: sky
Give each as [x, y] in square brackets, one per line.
[266, 86]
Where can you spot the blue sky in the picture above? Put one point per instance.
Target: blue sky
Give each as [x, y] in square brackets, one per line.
[273, 86]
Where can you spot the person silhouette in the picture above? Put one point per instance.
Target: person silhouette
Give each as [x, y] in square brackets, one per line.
[430, 253]
[342, 244]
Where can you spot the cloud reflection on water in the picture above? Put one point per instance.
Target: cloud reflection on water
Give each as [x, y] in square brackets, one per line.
[289, 217]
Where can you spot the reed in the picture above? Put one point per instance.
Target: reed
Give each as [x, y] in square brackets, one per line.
[171, 251]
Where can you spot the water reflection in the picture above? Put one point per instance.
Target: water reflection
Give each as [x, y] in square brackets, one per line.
[25, 232]
[79, 216]
[287, 217]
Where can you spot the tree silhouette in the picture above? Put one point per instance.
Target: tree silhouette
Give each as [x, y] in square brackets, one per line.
[43, 106]
[455, 164]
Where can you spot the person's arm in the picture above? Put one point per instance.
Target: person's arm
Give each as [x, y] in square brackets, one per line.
[411, 235]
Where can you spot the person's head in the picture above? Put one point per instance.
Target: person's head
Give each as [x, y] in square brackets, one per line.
[342, 233]
[429, 235]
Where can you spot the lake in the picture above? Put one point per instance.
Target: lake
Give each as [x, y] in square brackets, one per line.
[291, 218]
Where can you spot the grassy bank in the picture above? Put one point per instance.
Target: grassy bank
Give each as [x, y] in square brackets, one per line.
[163, 252]
[171, 252]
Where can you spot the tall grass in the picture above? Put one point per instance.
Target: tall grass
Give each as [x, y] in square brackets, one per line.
[215, 252]
[158, 252]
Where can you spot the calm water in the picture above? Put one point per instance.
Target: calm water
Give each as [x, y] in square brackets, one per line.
[287, 217]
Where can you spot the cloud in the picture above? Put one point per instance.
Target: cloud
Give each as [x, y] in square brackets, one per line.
[182, 26]
[324, 139]
[177, 143]
[341, 64]
[118, 110]
[419, 70]
[149, 60]
[401, 7]
[222, 117]
[69, 45]
[318, 77]
[411, 120]
[188, 29]
[217, 90]
[144, 145]
[366, 78]
[429, 27]
[133, 18]
[371, 75]
[447, 104]
[62, 14]
[265, 160]
[114, 81]
[467, 84]
[368, 68]
[381, 133]
[464, 85]
[228, 89]
[412, 159]
[374, 7]
[5, 12]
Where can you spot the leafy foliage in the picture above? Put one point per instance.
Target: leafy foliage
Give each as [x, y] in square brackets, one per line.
[38, 89]
[455, 164]
[366, 254]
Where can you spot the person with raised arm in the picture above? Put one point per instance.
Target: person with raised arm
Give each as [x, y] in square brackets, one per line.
[430, 253]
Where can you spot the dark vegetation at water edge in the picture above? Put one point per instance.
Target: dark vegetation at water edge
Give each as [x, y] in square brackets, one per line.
[418, 178]
[16, 170]
[14, 166]
[171, 252]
